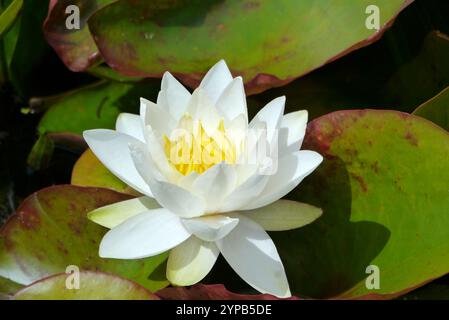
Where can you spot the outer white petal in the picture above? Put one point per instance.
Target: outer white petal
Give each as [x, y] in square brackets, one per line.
[114, 214]
[174, 95]
[216, 80]
[210, 228]
[112, 149]
[215, 184]
[253, 256]
[191, 261]
[232, 102]
[284, 215]
[130, 124]
[292, 169]
[292, 131]
[168, 195]
[271, 114]
[144, 235]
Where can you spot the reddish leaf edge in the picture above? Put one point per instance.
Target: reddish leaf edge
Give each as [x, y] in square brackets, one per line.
[262, 81]
[89, 272]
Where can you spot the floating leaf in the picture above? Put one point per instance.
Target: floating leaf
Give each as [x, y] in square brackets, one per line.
[92, 286]
[94, 106]
[436, 109]
[50, 232]
[280, 40]
[90, 172]
[384, 194]
[75, 47]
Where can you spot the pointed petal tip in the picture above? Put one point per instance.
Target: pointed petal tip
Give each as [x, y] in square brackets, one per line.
[167, 77]
[221, 62]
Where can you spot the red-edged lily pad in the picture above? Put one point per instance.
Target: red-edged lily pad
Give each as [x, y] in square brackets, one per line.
[383, 188]
[90, 172]
[88, 286]
[280, 40]
[50, 231]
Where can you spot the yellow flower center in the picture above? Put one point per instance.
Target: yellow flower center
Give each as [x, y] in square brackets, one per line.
[191, 148]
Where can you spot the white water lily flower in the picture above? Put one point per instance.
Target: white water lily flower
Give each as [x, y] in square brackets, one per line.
[204, 191]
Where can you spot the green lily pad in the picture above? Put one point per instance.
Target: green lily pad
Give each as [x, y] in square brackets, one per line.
[95, 106]
[50, 231]
[90, 172]
[75, 47]
[92, 286]
[384, 194]
[436, 109]
[91, 107]
[280, 40]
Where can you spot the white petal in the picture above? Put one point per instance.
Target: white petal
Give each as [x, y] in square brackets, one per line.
[144, 235]
[191, 261]
[292, 131]
[271, 114]
[174, 94]
[292, 169]
[210, 228]
[130, 124]
[112, 149]
[253, 256]
[215, 184]
[156, 156]
[201, 107]
[168, 195]
[284, 215]
[245, 193]
[232, 102]
[160, 120]
[187, 181]
[216, 80]
[237, 128]
[114, 214]
[176, 199]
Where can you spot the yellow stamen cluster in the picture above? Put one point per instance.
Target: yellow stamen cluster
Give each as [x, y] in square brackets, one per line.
[191, 148]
